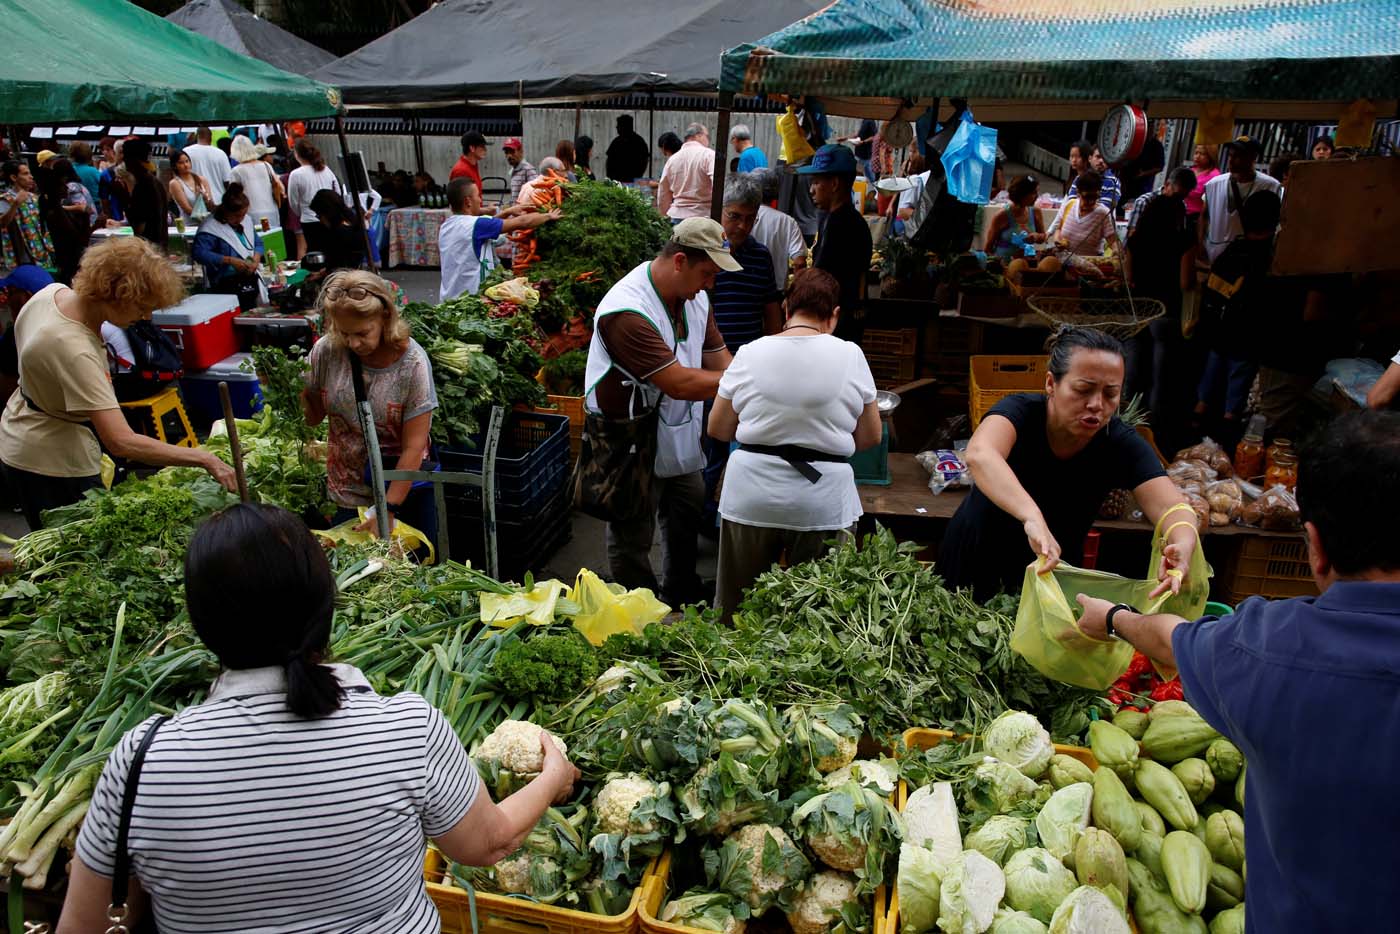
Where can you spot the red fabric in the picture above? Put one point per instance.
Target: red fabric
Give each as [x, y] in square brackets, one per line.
[465, 168]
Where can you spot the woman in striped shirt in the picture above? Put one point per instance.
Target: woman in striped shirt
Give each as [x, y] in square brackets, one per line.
[1084, 226]
[294, 799]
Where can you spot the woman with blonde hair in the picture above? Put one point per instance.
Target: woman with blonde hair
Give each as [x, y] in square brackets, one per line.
[259, 182]
[366, 341]
[50, 430]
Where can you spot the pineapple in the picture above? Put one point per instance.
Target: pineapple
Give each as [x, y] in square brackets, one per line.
[1117, 503]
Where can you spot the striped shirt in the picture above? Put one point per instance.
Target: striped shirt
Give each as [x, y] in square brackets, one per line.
[739, 298]
[250, 819]
[1109, 194]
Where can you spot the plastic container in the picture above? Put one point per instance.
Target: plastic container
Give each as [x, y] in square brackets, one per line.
[507, 915]
[532, 465]
[872, 466]
[899, 342]
[201, 389]
[523, 542]
[572, 408]
[1268, 567]
[1218, 609]
[993, 378]
[201, 327]
[890, 371]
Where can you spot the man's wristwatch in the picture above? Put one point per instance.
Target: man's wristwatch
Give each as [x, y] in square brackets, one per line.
[1108, 619]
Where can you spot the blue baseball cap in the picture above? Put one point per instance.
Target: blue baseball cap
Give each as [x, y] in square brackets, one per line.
[831, 159]
[29, 279]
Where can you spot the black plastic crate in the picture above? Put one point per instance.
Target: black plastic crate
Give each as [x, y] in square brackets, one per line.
[521, 545]
[532, 464]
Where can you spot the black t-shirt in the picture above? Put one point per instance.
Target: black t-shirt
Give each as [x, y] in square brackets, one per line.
[1153, 157]
[843, 249]
[1157, 244]
[985, 548]
[868, 128]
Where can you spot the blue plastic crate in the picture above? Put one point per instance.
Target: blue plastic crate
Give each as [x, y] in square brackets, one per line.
[532, 465]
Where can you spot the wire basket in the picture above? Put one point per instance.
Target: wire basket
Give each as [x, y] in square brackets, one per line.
[1121, 317]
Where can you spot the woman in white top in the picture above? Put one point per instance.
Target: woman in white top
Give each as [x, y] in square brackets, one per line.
[259, 182]
[189, 191]
[294, 798]
[1084, 227]
[312, 176]
[800, 403]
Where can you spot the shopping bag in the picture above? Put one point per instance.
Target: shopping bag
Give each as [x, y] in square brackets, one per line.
[795, 148]
[607, 609]
[1047, 632]
[536, 605]
[405, 535]
[970, 160]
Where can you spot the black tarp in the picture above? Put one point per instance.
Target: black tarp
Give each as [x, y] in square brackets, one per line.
[234, 27]
[534, 50]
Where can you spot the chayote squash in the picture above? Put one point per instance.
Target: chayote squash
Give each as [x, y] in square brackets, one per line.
[1132, 722]
[1225, 760]
[1099, 860]
[1151, 821]
[1186, 863]
[1067, 770]
[1226, 889]
[1225, 838]
[1153, 908]
[1149, 853]
[1164, 791]
[1230, 921]
[1239, 785]
[1171, 739]
[1113, 747]
[1171, 708]
[1196, 777]
[1113, 809]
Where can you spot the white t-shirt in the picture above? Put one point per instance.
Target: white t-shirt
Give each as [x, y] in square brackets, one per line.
[462, 265]
[256, 179]
[210, 162]
[780, 233]
[302, 186]
[1223, 224]
[807, 391]
[910, 197]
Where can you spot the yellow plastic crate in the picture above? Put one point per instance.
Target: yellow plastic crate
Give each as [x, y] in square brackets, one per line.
[992, 378]
[572, 406]
[501, 914]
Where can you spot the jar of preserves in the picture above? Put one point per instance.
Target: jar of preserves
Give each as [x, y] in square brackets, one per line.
[1283, 470]
[1280, 446]
[1249, 457]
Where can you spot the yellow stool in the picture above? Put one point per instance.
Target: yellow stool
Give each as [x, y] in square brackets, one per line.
[162, 417]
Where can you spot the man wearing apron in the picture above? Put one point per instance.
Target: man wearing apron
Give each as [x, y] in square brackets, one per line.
[656, 346]
[467, 242]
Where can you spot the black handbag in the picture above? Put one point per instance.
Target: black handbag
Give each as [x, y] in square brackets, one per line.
[118, 914]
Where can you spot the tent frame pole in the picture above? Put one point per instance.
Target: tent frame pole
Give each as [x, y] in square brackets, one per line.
[651, 131]
[721, 141]
[357, 207]
[15, 140]
[417, 141]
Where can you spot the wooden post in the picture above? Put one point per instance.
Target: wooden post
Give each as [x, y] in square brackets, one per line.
[235, 449]
[15, 141]
[721, 142]
[357, 208]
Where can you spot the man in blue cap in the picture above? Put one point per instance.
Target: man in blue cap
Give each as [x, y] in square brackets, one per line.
[19, 287]
[843, 240]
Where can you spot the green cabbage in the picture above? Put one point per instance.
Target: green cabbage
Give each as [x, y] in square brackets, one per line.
[968, 897]
[1064, 818]
[1016, 922]
[1036, 883]
[998, 838]
[1088, 910]
[1018, 739]
[920, 876]
[997, 788]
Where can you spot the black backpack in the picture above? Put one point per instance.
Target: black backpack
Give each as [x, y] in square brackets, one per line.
[155, 363]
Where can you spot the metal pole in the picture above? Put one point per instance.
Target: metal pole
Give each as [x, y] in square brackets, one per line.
[234, 447]
[359, 209]
[721, 141]
[417, 140]
[488, 491]
[578, 119]
[15, 141]
[651, 131]
[376, 470]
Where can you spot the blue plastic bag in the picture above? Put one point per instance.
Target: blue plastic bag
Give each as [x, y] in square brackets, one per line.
[378, 230]
[970, 160]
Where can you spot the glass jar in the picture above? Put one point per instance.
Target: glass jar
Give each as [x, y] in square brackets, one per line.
[1249, 457]
[1284, 470]
[1280, 446]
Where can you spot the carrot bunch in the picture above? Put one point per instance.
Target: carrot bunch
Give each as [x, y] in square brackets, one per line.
[548, 192]
[526, 250]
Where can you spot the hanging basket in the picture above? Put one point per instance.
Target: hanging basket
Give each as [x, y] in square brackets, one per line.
[1121, 317]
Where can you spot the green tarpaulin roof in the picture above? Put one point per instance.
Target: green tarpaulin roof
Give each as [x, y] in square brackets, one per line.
[70, 61]
[1086, 50]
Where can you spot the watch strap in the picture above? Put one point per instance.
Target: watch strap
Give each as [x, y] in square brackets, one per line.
[1108, 618]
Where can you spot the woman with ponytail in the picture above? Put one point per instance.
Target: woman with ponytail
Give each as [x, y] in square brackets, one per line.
[294, 798]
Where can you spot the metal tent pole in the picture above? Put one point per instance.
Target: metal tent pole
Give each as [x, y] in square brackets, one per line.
[721, 141]
[359, 210]
[651, 132]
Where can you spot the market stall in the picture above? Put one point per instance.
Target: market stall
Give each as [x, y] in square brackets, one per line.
[412, 234]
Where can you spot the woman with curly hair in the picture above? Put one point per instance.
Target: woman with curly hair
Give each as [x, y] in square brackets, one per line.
[50, 430]
[366, 339]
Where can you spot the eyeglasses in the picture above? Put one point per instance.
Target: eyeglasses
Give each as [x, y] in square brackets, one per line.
[736, 218]
[357, 292]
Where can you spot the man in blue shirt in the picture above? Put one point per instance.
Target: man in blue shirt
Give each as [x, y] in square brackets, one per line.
[746, 303]
[751, 158]
[1309, 689]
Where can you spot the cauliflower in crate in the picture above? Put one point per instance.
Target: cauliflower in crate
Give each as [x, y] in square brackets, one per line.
[880, 775]
[634, 817]
[760, 864]
[726, 794]
[823, 737]
[829, 904]
[851, 829]
[750, 731]
[547, 867]
[674, 739]
[511, 756]
[707, 911]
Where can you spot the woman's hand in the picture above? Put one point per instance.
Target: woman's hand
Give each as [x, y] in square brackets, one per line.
[371, 524]
[1036, 237]
[221, 472]
[1043, 544]
[1175, 557]
[559, 769]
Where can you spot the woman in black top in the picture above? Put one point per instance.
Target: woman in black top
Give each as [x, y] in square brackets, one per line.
[142, 196]
[1042, 467]
[341, 239]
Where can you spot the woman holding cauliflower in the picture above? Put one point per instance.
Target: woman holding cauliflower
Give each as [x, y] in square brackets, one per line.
[294, 797]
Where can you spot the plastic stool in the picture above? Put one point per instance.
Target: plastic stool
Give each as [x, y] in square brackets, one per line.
[162, 417]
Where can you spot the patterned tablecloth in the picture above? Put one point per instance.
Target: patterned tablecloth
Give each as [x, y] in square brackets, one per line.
[413, 236]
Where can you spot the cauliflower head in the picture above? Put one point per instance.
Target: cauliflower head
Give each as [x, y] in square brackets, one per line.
[725, 794]
[825, 735]
[526, 873]
[515, 747]
[851, 828]
[759, 864]
[881, 775]
[707, 911]
[817, 908]
[619, 799]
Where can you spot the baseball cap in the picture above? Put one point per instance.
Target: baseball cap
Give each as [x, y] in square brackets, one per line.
[1248, 142]
[701, 233]
[27, 279]
[513, 143]
[45, 155]
[831, 159]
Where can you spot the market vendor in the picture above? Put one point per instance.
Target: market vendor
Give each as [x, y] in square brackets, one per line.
[65, 413]
[656, 355]
[1042, 466]
[1307, 688]
[229, 248]
[294, 797]
[465, 238]
[365, 339]
[1084, 227]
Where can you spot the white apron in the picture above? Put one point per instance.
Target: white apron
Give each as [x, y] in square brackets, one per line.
[224, 232]
[678, 433]
[463, 267]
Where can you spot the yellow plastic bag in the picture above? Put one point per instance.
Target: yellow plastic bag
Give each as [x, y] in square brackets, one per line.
[795, 147]
[1047, 631]
[536, 605]
[607, 609]
[108, 472]
[409, 538]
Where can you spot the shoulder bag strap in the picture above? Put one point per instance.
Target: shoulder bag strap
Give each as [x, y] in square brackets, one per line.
[121, 867]
[357, 379]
